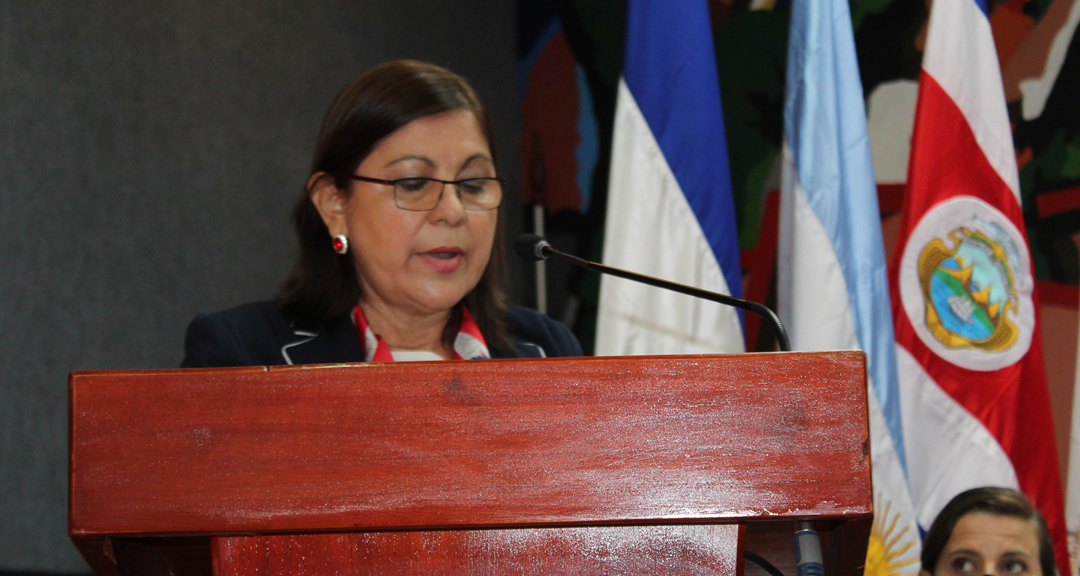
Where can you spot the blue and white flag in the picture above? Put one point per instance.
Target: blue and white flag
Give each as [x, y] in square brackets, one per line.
[670, 212]
[833, 286]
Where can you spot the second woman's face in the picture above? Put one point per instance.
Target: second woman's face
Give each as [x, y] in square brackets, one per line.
[983, 543]
[421, 262]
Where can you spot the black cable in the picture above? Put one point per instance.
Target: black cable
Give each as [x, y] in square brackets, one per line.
[765, 564]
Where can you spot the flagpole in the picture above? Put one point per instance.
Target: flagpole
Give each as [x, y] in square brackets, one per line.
[541, 270]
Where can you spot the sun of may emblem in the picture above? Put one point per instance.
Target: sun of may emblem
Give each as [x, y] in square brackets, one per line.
[965, 284]
[890, 550]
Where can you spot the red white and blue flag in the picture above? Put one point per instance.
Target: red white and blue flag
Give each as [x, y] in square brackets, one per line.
[973, 391]
[670, 212]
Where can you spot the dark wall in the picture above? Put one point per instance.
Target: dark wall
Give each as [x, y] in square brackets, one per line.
[149, 155]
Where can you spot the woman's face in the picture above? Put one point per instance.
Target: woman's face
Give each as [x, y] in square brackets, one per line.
[420, 262]
[983, 543]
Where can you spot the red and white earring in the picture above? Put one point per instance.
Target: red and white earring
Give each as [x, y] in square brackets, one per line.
[341, 244]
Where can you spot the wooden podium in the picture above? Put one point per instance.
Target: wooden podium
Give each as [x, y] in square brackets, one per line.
[620, 465]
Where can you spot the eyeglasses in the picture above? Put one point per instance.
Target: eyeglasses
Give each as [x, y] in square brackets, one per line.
[423, 194]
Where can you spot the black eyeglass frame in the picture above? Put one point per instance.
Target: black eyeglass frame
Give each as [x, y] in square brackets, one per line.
[457, 185]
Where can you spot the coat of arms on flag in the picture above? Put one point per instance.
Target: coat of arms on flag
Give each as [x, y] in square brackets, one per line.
[965, 283]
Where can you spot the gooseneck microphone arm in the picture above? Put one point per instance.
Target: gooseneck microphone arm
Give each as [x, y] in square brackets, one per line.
[534, 248]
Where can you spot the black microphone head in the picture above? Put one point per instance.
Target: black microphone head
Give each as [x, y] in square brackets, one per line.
[531, 247]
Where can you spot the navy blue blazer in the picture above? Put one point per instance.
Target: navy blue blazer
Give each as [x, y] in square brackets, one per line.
[258, 334]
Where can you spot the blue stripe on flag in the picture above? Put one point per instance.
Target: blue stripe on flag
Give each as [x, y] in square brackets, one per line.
[825, 125]
[670, 68]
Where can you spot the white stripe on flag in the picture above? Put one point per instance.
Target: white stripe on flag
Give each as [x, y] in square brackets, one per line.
[810, 287]
[955, 451]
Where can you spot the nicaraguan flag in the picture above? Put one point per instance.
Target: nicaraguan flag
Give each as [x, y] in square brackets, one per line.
[670, 212]
[974, 399]
[832, 283]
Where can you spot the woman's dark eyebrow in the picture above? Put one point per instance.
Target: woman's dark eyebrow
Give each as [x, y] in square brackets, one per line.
[470, 160]
[430, 163]
[423, 159]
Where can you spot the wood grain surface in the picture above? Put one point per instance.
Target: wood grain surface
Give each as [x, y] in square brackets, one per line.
[695, 549]
[481, 444]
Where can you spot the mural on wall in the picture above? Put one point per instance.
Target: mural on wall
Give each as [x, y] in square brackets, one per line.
[569, 63]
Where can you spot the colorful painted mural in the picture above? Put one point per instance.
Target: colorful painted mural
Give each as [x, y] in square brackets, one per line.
[569, 58]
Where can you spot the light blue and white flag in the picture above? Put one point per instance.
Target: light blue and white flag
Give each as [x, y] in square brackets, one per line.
[670, 212]
[833, 286]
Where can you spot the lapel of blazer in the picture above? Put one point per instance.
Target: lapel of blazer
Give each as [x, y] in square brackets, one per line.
[335, 342]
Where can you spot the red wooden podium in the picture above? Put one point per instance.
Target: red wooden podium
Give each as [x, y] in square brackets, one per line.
[643, 465]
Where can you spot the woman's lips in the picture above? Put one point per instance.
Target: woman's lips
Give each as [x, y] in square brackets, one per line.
[444, 259]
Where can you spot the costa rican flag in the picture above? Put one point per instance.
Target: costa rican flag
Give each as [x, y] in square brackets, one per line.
[670, 212]
[974, 399]
[832, 283]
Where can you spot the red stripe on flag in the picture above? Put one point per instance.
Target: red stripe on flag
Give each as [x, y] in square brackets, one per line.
[1012, 403]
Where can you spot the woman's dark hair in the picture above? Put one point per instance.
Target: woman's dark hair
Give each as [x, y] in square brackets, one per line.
[991, 500]
[323, 285]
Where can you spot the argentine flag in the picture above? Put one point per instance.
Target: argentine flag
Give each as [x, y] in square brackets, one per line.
[670, 212]
[833, 289]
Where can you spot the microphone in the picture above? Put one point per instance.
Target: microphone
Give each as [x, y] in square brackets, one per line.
[534, 248]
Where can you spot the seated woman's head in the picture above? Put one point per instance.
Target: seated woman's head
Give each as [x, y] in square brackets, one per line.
[400, 212]
[988, 531]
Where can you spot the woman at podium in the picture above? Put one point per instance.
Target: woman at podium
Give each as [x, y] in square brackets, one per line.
[401, 242]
